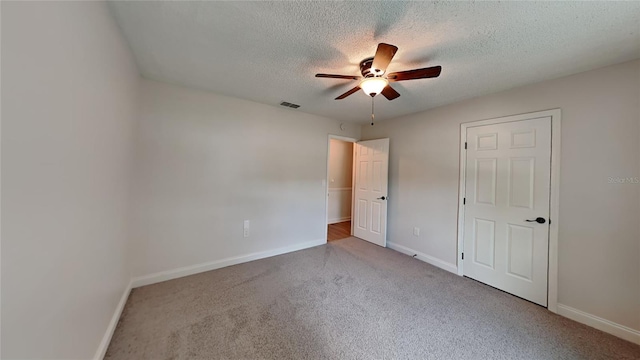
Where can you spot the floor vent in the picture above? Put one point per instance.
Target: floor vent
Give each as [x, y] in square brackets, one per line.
[288, 104]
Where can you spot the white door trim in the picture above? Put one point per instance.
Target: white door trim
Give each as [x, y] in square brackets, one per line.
[326, 183]
[555, 114]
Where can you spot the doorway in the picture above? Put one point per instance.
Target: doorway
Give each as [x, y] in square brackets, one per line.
[507, 230]
[357, 184]
[339, 188]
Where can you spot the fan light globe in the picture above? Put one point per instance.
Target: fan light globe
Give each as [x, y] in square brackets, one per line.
[373, 86]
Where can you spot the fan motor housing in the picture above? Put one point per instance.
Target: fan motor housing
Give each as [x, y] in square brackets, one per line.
[366, 70]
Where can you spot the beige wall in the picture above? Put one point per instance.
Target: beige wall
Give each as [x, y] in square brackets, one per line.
[599, 229]
[69, 95]
[340, 163]
[340, 169]
[207, 162]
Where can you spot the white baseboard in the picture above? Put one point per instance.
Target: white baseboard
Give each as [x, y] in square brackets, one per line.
[339, 220]
[195, 269]
[423, 257]
[599, 323]
[106, 339]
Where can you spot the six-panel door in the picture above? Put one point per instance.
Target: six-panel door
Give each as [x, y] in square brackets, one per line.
[371, 177]
[507, 188]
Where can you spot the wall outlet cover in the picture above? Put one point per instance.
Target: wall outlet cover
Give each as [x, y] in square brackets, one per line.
[245, 227]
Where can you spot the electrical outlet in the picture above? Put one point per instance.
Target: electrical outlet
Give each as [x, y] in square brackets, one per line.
[416, 231]
[246, 228]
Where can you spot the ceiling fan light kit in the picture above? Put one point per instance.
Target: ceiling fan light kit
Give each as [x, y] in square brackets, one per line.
[373, 86]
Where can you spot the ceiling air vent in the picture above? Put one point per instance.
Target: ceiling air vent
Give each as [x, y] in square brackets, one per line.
[288, 104]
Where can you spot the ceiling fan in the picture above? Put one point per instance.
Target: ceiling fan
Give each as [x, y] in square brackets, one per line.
[374, 81]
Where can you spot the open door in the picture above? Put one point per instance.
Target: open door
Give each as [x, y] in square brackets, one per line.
[370, 191]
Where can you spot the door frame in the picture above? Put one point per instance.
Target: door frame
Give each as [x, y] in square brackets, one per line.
[556, 115]
[326, 182]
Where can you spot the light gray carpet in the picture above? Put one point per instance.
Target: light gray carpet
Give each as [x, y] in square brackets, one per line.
[346, 300]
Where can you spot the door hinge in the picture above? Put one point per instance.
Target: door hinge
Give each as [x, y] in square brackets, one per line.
[465, 145]
[462, 256]
[464, 201]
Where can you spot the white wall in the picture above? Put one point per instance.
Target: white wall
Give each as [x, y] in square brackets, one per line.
[68, 106]
[207, 162]
[599, 235]
[340, 170]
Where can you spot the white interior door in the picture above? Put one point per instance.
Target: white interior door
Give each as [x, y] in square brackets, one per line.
[508, 167]
[370, 190]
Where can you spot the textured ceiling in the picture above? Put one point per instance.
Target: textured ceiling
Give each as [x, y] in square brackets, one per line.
[269, 51]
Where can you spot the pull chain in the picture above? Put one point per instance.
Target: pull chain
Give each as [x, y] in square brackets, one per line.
[372, 114]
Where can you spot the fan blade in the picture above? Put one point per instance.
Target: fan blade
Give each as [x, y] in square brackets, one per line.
[430, 72]
[383, 57]
[354, 90]
[332, 76]
[390, 93]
